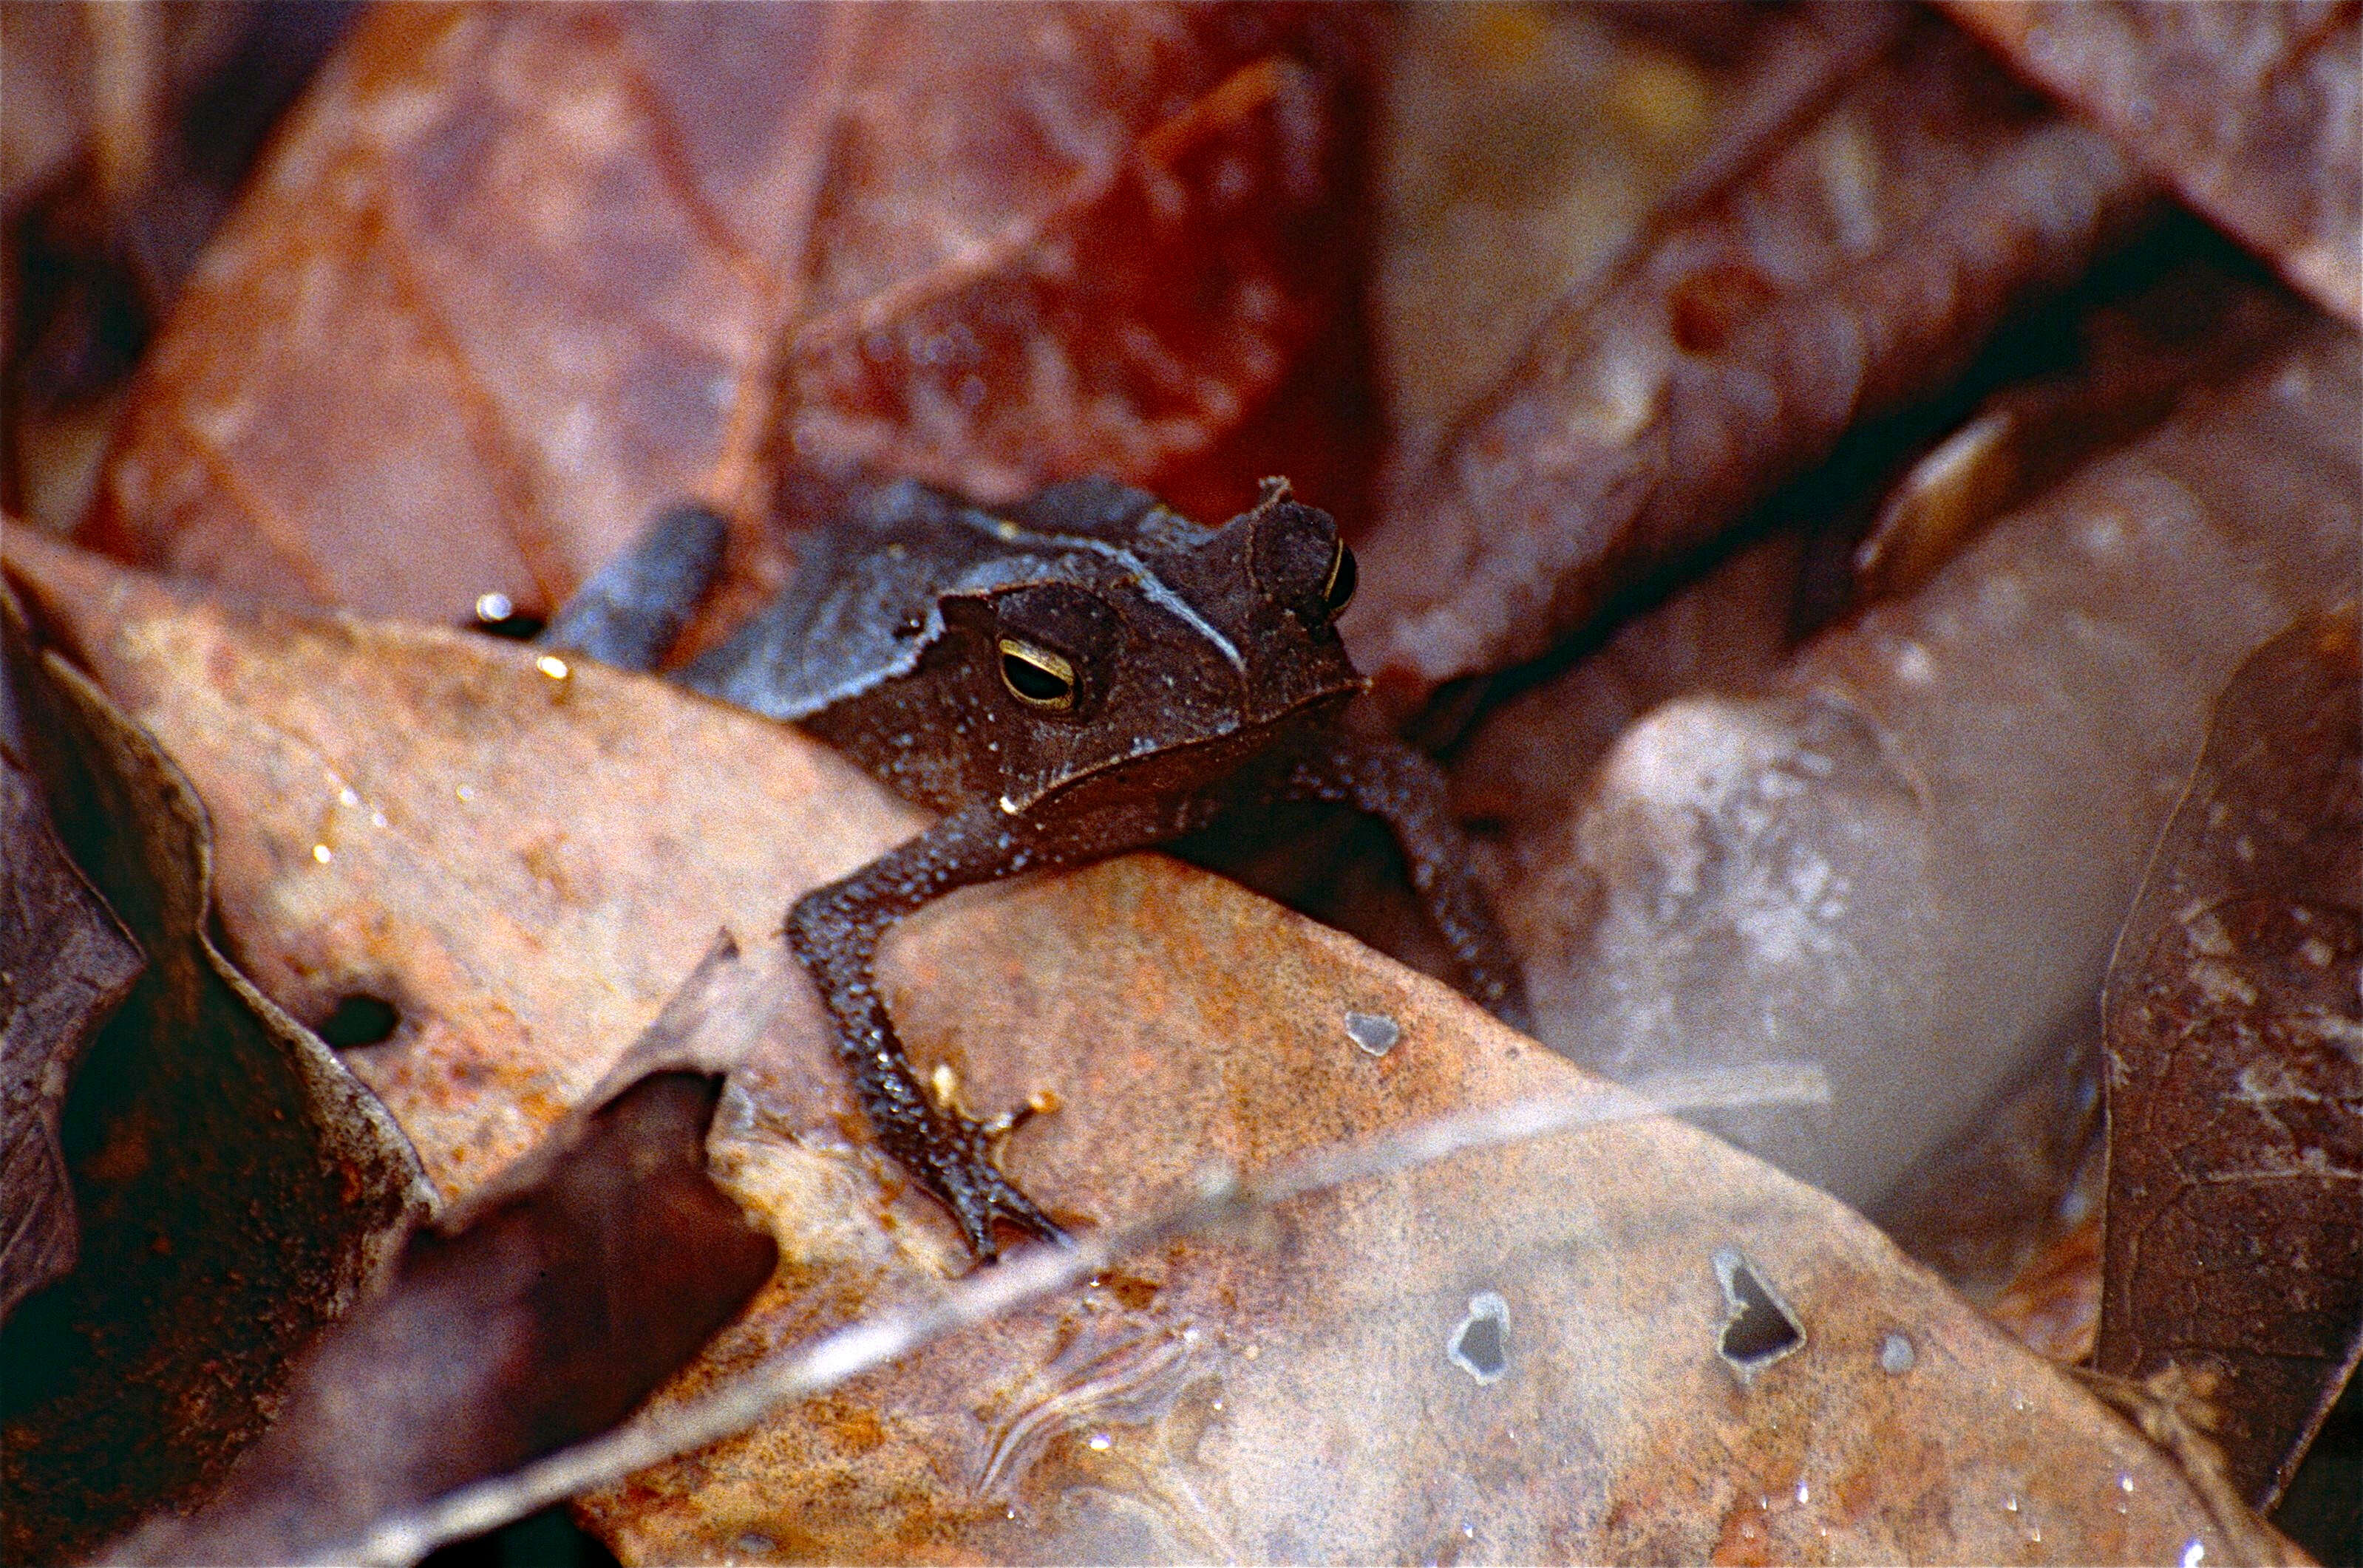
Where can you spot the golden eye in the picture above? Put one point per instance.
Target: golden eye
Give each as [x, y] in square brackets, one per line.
[1338, 591]
[1036, 675]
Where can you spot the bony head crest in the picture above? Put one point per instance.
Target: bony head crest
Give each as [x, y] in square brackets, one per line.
[1297, 558]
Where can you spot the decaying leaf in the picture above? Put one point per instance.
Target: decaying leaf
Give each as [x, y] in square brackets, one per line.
[2137, 356]
[1523, 769]
[124, 131]
[2178, 314]
[2253, 112]
[515, 277]
[235, 1185]
[2234, 1267]
[64, 963]
[1906, 857]
[1848, 259]
[541, 1312]
[1630, 1342]
[359, 765]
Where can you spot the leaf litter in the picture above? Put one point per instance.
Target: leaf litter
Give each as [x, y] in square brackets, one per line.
[2233, 1275]
[1102, 241]
[235, 1185]
[1843, 261]
[542, 1311]
[1313, 430]
[1200, 1401]
[64, 964]
[1903, 854]
[2255, 113]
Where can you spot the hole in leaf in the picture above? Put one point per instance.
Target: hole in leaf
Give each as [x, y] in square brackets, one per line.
[1375, 1033]
[361, 1020]
[1757, 1327]
[1480, 1345]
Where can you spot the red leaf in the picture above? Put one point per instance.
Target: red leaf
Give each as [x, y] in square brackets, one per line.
[2233, 1266]
[515, 277]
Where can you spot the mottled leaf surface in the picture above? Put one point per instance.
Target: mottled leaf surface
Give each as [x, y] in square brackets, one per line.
[1631, 1342]
[2233, 1269]
[513, 945]
[235, 1185]
[516, 276]
[2253, 112]
[1847, 257]
[64, 963]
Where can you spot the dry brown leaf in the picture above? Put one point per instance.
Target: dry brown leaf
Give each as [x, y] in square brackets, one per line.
[517, 276]
[1907, 858]
[513, 944]
[2234, 1261]
[124, 131]
[64, 963]
[1844, 261]
[541, 1315]
[1631, 1342]
[2253, 112]
[235, 1186]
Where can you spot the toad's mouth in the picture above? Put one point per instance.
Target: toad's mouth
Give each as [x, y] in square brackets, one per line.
[1176, 772]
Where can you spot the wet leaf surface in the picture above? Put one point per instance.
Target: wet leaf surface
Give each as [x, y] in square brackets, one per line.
[235, 1185]
[1286, 1395]
[2233, 1269]
[541, 1312]
[1849, 255]
[2253, 113]
[2008, 1214]
[517, 277]
[1905, 857]
[64, 963]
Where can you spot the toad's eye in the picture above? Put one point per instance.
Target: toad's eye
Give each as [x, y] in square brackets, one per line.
[1338, 591]
[1036, 675]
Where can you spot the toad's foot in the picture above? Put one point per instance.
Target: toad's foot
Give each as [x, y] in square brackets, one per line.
[952, 1157]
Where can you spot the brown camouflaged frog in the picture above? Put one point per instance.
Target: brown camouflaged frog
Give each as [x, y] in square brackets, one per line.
[1086, 673]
